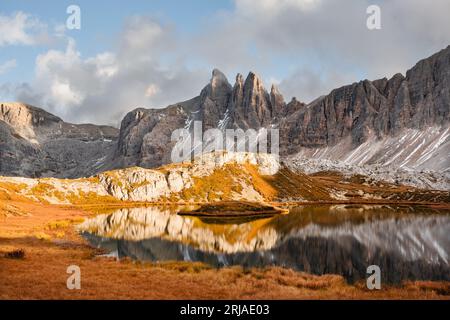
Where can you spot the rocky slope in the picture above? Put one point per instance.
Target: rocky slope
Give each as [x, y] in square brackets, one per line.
[376, 109]
[423, 179]
[218, 176]
[402, 122]
[35, 143]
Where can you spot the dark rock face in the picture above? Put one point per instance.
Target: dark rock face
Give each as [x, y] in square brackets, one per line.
[360, 111]
[253, 108]
[428, 85]
[277, 102]
[145, 137]
[214, 100]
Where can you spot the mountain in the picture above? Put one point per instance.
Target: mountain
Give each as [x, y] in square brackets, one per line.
[35, 143]
[145, 134]
[402, 122]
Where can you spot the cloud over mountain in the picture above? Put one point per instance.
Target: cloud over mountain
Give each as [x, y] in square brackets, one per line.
[308, 46]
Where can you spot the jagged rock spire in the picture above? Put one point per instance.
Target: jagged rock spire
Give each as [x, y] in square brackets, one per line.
[218, 87]
[214, 99]
[277, 101]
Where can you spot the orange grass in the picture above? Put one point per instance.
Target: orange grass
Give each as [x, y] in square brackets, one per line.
[41, 272]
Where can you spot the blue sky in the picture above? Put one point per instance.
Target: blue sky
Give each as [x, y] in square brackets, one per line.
[101, 22]
[140, 53]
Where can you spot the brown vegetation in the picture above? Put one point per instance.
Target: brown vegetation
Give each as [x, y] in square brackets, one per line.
[38, 243]
[41, 272]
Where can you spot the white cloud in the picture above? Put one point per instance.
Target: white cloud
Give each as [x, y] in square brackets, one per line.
[7, 65]
[142, 33]
[271, 7]
[318, 44]
[318, 39]
[103, 87]
[105, 64]
[63, 94]
[21, 29]
[151, 90]
[306, 84]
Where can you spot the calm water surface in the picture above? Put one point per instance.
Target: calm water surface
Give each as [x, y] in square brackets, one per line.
[406, 242]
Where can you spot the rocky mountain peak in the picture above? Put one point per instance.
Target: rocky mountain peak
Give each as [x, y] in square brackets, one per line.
[21, 114]
[293, 106]
[250, 102]
[218, 87]
[26, 119]
[274, 89]
[219, 79]
[254, 82]
[277, 101]
[239, 80]
[429, 87]
[339, 122]
[214, 99]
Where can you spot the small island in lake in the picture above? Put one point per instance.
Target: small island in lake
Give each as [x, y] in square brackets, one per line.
[234, 209]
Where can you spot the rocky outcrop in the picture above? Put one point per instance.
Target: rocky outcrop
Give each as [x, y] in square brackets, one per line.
[145, 134]
[145, 137]
[200, 181]
[218, 176]
[277, 102]
[367, 111]
[137, 184]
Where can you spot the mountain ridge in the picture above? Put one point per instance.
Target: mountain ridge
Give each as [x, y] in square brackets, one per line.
[360, 114]
[34, 143]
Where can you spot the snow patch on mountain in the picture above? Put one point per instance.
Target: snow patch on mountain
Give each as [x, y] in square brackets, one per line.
[423, 179]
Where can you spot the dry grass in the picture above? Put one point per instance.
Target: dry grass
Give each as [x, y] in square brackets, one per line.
[286, 184]
[41, 272]
[86, 198]
[218, 186]
[352, 186]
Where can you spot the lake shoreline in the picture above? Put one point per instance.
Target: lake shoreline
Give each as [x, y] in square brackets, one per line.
[47, 236]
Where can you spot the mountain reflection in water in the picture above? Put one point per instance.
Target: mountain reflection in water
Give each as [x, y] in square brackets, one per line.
[406, 242]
